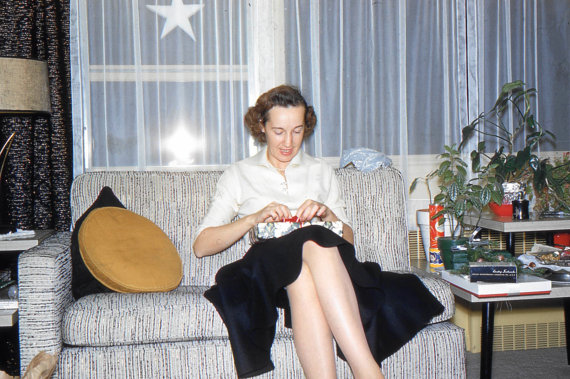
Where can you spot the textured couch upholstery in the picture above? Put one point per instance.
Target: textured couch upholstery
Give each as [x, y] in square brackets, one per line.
[179, 334]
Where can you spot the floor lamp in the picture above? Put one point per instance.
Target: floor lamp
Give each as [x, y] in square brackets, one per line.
[24, 90]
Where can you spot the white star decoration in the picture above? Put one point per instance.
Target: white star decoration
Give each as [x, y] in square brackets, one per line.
[176, 14]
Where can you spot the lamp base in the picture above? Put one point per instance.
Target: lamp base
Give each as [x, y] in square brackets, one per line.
[5, 229]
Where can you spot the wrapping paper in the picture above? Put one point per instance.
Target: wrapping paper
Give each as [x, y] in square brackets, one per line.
[267, 230]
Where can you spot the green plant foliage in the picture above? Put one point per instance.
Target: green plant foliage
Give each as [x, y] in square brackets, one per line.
[551, 184]
[461, 194]
[538, 176]
[458, 195]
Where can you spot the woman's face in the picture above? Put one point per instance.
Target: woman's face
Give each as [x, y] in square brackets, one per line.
[284, 131]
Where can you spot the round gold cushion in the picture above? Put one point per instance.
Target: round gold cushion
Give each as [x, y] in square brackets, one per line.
[127, 252]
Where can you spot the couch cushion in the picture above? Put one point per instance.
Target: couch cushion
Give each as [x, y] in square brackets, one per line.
[127, 252]
[124, 318]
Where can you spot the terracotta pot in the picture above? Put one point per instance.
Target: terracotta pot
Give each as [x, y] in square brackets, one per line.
[503, 210]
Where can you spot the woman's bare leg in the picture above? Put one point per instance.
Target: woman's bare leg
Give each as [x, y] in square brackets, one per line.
[339, 305]
[311, 333]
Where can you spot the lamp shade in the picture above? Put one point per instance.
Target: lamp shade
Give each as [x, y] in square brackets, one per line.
[24, 86]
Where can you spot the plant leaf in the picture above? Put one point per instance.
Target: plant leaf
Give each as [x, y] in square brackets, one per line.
[539, 179]
[496, 197]
[475, 161]
[522, 157]
[511, 86]
[438, 199]
[534, 162]
[481, 146]
[462, 171]
[466, 133]
[459, 209]
[485, 196]
[413, 185]
[511, 163]
[530, 121]
[453, 191]
[444, 166]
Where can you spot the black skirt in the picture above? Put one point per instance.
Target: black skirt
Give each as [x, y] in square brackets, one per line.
[393, 307]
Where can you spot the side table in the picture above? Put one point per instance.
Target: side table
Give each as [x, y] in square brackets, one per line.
[510, 226]
[488, 315]
[10, 246]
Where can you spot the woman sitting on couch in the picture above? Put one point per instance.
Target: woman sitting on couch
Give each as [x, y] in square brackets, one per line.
[311, 272]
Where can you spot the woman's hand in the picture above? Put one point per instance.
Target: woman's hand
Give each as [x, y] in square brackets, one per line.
[311, 208]
[273, 212]
[214, 239]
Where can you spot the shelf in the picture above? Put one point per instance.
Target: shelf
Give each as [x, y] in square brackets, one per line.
[508, 225]
[23, 242]
[8, 317]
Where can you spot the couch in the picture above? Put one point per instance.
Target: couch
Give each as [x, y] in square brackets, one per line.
[178, 334]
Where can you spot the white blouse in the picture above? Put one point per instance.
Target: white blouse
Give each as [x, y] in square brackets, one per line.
[249, 185]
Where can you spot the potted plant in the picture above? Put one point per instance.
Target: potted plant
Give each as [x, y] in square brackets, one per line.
[551, 185]
[507, 173]
[458, 195]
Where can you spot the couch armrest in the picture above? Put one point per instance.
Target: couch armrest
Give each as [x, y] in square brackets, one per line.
[440, 289]
[44, 283]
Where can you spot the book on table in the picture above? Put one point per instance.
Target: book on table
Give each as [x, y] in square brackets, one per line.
[525, 285]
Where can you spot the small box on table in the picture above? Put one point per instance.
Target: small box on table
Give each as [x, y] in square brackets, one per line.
[496, 272]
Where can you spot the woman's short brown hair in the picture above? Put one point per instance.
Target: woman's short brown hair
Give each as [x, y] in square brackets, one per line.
[281, 96]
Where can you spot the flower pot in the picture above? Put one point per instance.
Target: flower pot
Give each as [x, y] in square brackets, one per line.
[446, 244]
[511, 191]
[503, 210]
[423, 222]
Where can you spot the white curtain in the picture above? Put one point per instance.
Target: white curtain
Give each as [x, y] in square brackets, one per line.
[401, 76]
[383, 75]
[527, 40]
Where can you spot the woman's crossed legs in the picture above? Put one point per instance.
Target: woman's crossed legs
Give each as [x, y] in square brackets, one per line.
[323, 305]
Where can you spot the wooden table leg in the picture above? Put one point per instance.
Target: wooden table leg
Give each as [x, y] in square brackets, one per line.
[487, 325]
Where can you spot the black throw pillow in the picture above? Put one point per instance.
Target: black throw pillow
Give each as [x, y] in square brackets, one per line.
[82, 282]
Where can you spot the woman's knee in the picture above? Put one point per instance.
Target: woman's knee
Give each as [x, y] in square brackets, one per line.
[314, 251]
[303, 285]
